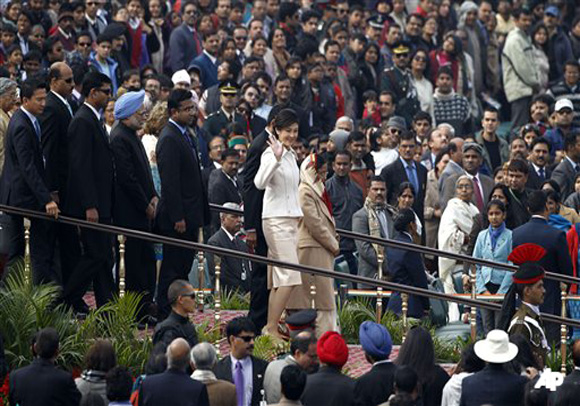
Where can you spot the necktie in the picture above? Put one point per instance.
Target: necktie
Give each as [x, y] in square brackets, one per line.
[37, 129]
[542, 174]
[239, 382]
[478, 197]
[69, 109]
[412, 175]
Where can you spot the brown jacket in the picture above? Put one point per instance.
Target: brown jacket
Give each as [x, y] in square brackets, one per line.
[221, 393]
[317, 244]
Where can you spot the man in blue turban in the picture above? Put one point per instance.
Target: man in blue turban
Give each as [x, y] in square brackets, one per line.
[135, 196]
[375, 386]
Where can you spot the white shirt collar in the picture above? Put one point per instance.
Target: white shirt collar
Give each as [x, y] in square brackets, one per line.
[536, 309]
[31, 116]
[212, 58]
[245, 361]
[181, 128]
[385, 361]
[473, 176]
[572, 162]
[62, 99]
[94, 111]
[537, 168]
[231, 237]
[64, 34]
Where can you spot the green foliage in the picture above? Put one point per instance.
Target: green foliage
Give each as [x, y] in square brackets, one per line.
[207, 331]
[353, 312]
[26, 308]
[232, 299]
[554, 359]
[269, 348]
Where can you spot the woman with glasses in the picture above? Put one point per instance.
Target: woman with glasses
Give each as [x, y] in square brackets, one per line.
[279, 176]
[454, 234]
[419, 64]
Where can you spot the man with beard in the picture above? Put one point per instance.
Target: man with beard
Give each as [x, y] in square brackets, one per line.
[538, 163]
[135, 196]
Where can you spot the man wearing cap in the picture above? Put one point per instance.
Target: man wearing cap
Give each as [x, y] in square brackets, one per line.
[529, 285]
[567, 169]
[556, 259]
[328, 386]
[559, 47]
[135, 196]
[482, 184]
[564, 110]
[520, 72]
[375, 387]
[569, 88]
[374, 28]
[302, 354]
[494, 385]
[397, 79]
[65, 30]
[54, 122]
[389, 141]
[217, 123]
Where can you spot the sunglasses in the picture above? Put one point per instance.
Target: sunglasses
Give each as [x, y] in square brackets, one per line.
[191, 295]
[247, 339]
[401, 55]
[69, 80]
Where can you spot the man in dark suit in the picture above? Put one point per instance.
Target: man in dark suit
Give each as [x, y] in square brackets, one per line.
[253, 203]
[235, 272]
[135, 196]
[574, 377]
[90, 190]
[41, 383]
[174, 386]
[517, 208]
[183, 207]
[185, 42]
[494, 385]
[375, 386]
[482, 184]
[215, 147]
[538, 163]
[556, 260]
[54, 122]
[405, 169]
[241, 367]
[24, 183]
[207, 60]
[283, 92]
[567, 169]
[224, 185]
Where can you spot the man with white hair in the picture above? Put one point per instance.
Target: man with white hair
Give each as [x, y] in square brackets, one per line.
[235, 272]
[8, 100]
[174, 386]
[344, 123]
[203, 360]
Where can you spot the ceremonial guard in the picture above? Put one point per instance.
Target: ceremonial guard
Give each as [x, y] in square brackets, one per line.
[529, 286]
[217, 123]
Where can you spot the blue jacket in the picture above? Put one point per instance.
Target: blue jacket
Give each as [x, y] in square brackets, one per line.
[406, 267]
[483, 250]
[208, 70]
[111, 73]
[493, 386]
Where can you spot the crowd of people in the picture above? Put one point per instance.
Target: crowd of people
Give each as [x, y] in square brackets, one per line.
[451, 124]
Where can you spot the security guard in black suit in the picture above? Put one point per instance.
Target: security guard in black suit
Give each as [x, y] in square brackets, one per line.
[217, 123]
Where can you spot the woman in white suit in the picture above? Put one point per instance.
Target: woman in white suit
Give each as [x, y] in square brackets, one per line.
[279, 176]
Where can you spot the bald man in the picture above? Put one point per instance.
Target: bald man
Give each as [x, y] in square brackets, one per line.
[174, 386]
[54, 123]
[454, 167]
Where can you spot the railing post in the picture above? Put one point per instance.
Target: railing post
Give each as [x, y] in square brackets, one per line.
[122, 270]
[200, 274]
[473, 312]
[27, 261]
[380, 259]
[563, 330]
[313, 292]
[217, 297]
[405, 308]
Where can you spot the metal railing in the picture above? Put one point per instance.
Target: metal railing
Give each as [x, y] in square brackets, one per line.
[123, 233]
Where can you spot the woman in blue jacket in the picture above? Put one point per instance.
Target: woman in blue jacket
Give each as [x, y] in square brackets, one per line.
[495, 244]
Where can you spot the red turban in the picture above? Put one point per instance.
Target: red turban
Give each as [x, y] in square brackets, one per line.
[332, 349]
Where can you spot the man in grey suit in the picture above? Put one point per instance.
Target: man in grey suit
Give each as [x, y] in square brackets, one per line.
[185, 42]
[235, 272]
[455, 159]
[567, 169]
[376, 204]
[472, 161]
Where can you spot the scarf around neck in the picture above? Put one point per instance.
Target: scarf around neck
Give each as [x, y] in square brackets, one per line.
[495, 233]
